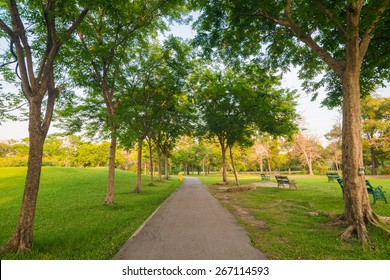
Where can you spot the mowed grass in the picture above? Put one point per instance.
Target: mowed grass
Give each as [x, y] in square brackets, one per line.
[71, 221]
[296, 219]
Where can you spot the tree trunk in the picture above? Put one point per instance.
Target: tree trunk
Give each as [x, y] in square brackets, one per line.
[23, 235]
[111, 172]
[139, 168]
[233, 166]
[357, 206]
[261, 164]
[269, 165]
[310, 167]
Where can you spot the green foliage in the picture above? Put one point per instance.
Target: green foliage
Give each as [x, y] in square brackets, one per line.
[155, 104]
[71, 221]
[234, 103]
[376, 130]
[263, 30]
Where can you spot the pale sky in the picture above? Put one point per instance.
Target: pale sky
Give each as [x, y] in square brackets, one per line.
[317, 120]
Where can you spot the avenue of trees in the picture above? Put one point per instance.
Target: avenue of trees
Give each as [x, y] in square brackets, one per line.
[103, 66]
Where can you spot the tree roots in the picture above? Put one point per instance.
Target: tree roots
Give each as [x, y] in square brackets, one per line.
[359, 231]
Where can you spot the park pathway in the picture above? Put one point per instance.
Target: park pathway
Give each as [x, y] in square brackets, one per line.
[190, 225]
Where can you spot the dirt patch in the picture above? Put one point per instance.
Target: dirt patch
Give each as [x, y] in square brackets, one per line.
[228, 182]
[265, 184]
[241, 188]
[239, 211]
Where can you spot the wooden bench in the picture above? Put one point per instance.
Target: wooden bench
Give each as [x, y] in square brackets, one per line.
[264, 177]
[283, 180]
[332, 176]
[377, 193]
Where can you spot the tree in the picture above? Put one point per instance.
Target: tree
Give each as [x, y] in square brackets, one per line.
[334, 148]
[233, 103]
[35, 51]
[308, 148]
[332, 38]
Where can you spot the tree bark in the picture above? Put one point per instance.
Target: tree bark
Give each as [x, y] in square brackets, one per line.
[139, 168]
[111, 172]
[23, 235]
[357, 209]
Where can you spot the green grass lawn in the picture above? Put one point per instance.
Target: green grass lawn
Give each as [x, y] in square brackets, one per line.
[295, 219]
[71, 221]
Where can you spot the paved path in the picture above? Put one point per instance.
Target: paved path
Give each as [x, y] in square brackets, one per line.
[190, 224]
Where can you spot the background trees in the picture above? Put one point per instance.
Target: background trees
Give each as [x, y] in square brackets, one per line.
[376, 130]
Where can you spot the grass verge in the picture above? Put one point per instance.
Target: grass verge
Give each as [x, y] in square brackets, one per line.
[290, 224]
[71, 221]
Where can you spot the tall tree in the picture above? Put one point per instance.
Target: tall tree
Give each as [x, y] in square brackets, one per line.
[233, 103]
[50, 25]
[341, 39]
[308, 148]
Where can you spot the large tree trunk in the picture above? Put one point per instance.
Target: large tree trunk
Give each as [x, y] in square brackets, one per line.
[111, 172]
[357, 209]
[357, 205]
[22, 237]
[139, 168]
[233, 166]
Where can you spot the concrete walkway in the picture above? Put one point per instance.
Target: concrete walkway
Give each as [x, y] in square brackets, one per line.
[190, 225]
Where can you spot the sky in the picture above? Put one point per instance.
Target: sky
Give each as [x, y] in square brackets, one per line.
[317, 120]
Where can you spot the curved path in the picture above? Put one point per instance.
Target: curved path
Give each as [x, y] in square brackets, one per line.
[190, 225]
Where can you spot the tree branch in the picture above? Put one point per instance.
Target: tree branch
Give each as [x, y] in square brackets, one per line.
[329, 14]
[73, 27]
